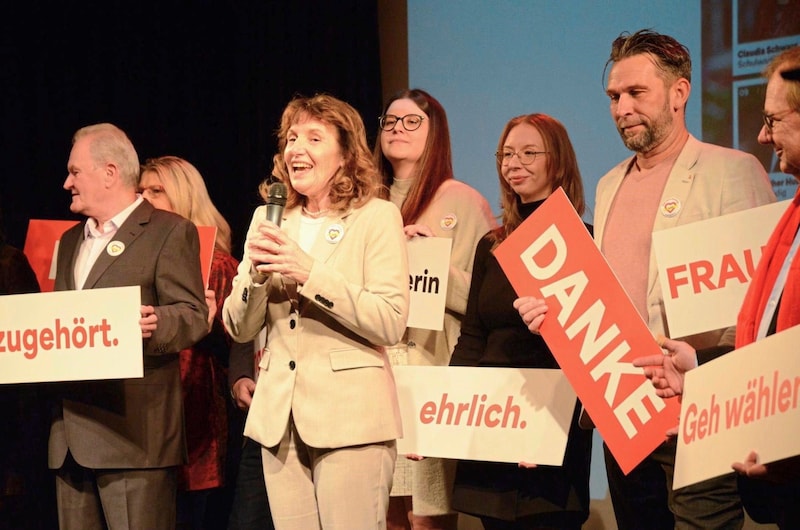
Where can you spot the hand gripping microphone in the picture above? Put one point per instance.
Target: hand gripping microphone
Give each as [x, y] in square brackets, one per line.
[276, 200]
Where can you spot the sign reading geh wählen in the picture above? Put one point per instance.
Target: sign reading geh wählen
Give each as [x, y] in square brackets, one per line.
[748, 399]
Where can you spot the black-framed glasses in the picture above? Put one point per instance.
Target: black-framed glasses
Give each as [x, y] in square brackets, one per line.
[770, 119]
[411, 122]
[526, 156]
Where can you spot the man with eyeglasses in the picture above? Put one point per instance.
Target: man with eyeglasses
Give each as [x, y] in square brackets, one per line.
[672, 179]
[781, 107]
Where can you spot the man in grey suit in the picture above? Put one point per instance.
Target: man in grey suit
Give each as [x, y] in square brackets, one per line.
[115, 444]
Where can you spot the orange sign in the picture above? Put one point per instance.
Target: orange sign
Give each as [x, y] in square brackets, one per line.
[41, 249]
[592, 328]
[208, 235]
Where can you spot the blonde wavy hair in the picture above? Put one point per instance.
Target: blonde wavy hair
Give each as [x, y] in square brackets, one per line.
[188, 195]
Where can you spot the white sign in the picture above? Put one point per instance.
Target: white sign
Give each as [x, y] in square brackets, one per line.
[705, 267]
[491, 414]
[428, 270]
[746, 400]
[71, 336]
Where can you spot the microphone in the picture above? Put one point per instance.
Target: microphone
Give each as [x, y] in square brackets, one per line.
[276, 200]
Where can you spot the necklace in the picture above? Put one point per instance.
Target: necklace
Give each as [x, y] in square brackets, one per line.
[315, 215]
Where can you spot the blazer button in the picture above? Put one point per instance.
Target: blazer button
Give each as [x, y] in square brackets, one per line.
[292, 365]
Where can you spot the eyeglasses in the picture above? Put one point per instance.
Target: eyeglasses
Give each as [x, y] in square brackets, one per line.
[151, 192]
[411, 122]
[526, 156]
[770, 119]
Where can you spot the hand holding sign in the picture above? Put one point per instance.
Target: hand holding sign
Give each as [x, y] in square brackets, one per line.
[532, 310]
[666, 371]
[149, 321]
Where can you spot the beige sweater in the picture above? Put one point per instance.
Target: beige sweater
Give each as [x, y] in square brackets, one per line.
[460, 213]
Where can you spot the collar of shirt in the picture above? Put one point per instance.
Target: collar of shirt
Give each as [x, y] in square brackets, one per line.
[92, 230]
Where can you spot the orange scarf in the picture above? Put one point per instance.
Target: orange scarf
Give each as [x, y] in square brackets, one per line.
[764, 279]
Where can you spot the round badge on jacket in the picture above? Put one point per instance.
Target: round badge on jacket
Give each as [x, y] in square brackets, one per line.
[115, 248]
[334, 233]
[449, 221]
[671, 207]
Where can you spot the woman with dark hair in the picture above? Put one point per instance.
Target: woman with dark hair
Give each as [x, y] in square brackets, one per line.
[16, 275]
[27, 492]
[534, 157]
[413, 156]
[330, 284]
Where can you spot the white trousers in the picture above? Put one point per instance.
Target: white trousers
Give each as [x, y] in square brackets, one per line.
[346, 488]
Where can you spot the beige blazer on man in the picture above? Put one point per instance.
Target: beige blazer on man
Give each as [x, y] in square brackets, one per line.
[706, 181]
[324, 362]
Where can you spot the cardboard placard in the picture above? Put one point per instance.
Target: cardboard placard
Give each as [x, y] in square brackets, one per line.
[71, 336]
[592, 327]
[491, 414]
[705, 267]
[746, 400]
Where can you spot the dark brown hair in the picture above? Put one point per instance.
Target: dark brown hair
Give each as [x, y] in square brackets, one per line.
[434, 167]
[670, 56]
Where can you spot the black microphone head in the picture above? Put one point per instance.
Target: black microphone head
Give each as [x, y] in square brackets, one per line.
[277, 194]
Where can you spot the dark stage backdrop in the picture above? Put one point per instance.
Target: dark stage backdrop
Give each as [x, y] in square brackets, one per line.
[206, 81]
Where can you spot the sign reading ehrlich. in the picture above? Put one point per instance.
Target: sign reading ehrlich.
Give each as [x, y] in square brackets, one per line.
[478, 413]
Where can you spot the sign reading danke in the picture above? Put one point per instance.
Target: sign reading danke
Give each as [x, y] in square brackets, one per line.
[44, 237]
[71, 335]
[591, 327]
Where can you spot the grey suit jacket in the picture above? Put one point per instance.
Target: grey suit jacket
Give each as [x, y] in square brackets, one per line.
[324, 363]
[136, 423]
[707, 181]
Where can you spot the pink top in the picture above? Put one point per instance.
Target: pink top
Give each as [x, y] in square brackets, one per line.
[628, 232]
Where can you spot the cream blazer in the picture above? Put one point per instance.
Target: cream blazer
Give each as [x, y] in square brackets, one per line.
[706, 181]
[324, 362]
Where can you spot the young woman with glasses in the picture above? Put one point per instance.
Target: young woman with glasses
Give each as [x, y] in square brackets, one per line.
[534, 157]
[413, 155]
